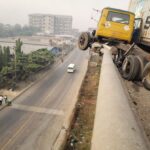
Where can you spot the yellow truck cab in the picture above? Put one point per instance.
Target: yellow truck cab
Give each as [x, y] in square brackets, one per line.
[113, 24]
[117, 24]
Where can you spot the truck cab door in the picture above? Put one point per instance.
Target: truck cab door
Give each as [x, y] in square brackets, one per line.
[137, 30]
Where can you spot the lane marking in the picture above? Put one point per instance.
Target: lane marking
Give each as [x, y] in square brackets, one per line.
[24, 125]
[37, 109]
[17, 132]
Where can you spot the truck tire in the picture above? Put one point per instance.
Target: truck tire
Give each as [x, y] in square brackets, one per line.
[84, 40]
[130, 67]
[141, 69]
[146, 76]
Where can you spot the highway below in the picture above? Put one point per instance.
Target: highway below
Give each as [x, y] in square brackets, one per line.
[34, 120]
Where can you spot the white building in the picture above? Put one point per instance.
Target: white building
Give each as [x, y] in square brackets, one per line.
[62, 24]
[51, 24]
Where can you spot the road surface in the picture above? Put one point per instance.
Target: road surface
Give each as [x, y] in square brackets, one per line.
[35, 118]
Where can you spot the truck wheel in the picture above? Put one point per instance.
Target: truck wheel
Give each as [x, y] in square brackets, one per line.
[84, 40]
[130, 67]
[141, 69]
[146, 76]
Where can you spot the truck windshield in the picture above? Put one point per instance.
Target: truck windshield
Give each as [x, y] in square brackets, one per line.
[118, 17]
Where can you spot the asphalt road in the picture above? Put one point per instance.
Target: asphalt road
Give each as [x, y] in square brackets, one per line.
[35, 118]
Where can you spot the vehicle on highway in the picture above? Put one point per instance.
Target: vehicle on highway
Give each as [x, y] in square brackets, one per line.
[114, 24]
[71, 68]
[121, 28]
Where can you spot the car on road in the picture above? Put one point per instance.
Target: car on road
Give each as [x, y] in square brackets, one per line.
[71, 68]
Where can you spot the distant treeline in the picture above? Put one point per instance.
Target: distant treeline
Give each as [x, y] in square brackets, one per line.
[7, 30]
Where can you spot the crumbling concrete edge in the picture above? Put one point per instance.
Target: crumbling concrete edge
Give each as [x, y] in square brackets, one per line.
[61, 139]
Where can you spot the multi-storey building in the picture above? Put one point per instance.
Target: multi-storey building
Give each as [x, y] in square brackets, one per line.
[51, 24]
[62, 24]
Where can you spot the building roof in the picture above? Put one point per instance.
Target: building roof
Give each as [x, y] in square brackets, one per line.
[40, 14]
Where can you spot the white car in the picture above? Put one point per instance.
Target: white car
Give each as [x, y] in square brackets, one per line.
[71, 68]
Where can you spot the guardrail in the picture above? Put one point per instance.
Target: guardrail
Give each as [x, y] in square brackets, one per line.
[115, 126]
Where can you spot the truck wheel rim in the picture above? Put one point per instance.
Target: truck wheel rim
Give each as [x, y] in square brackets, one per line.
[82, 40]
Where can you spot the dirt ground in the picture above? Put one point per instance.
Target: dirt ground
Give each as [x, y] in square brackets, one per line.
[22, 85]
[140, 103]
[82, 125]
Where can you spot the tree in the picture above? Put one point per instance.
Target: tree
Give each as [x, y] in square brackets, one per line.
[29, 30]
[10, 30]
[6, 56]
[17, 29]
[18, 46]
[1, 58]
[2, 30]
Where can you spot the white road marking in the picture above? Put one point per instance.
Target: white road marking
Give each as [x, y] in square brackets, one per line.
[37, 109]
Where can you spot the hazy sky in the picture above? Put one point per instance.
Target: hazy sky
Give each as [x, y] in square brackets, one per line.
[16, 11]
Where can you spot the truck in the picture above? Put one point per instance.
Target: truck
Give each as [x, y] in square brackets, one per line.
[71, 68]
[114, 24]
[126, 31]
[141, 8]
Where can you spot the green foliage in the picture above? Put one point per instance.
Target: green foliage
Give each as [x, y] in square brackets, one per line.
[17, 30]
[6, 70]
[1, 58]
[18, 52]
[6, 56]
[17, 67]
[33, 67]
[42, 57]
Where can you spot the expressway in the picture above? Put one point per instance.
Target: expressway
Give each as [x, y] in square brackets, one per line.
[36, 117]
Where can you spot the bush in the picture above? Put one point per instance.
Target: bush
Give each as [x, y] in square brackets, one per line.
[33, 67]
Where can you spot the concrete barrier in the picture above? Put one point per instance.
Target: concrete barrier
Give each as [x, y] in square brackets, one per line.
[115, 126]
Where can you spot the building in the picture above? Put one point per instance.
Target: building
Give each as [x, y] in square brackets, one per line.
[44, 22]
[62, 25]
[52, 24]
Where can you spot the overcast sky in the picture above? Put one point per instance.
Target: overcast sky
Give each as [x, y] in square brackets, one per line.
[16, 11]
